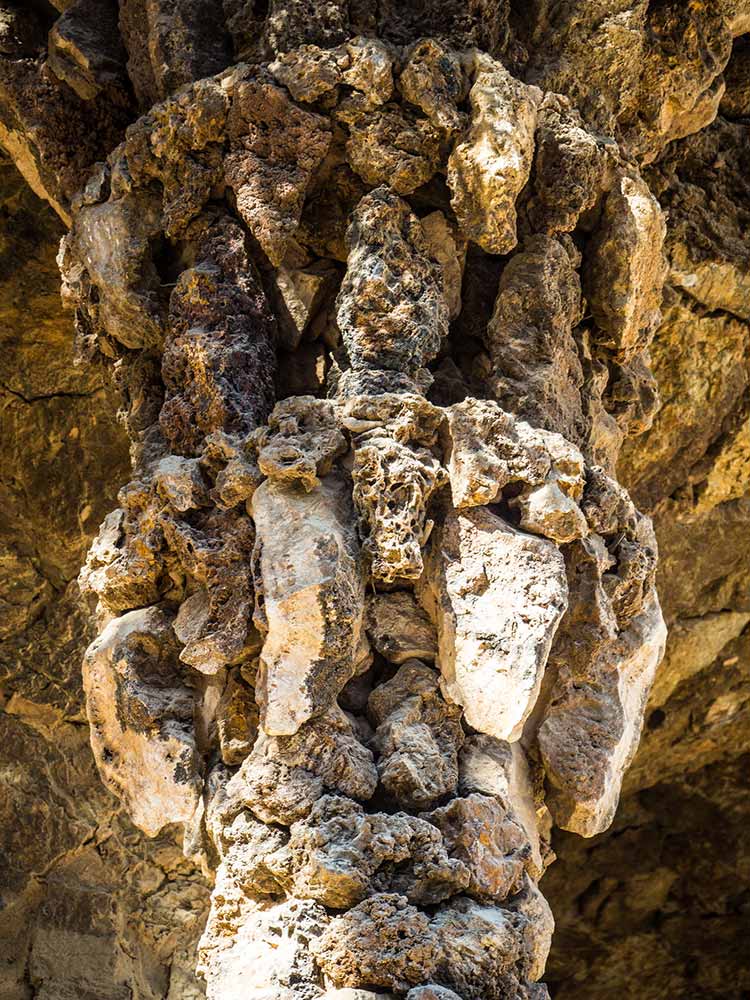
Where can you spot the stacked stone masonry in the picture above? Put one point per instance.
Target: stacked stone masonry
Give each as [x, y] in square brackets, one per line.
[373, 612]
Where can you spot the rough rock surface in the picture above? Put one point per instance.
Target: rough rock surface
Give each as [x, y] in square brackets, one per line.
[497, 597]
[389, 295]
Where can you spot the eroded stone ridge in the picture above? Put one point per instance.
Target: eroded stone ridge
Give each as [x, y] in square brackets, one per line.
[374, 611]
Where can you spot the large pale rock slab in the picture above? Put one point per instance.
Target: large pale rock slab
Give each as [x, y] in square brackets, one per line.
[312, 600]
[141, 716]
[497, 596]
[488, 169]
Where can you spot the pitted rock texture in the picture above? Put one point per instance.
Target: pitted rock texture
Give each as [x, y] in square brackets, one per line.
[380, 290]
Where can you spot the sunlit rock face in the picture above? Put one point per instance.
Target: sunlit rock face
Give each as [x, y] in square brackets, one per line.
[372, 613]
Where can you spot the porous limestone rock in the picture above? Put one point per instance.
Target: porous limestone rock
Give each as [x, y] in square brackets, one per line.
[497, 596]
[284, 776]
[431, 993]
[391, 146]
[570, 166]
[111, 244]
[339, 855]
[391, 308]
[259, 949]
[217, 365]
[448, 247]
[300, 442]
[383, 941]
[483, 949]
[494, 767]
[236, 719]
[417, 738]
[538, 374]
[433, 80]
[393, 486]
[311, 600]
[141, 714]
[488, 168]
[274, 149]
[486, 450]
[479, 831]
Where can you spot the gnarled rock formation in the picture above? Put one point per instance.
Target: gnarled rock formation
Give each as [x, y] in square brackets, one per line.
[381, 291]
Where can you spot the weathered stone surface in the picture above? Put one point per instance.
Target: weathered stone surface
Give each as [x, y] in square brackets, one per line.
[431, 993]
[300, 442]
[275, 147]
[433, 80]
[487, 449]
[170, 44]
[399, 628]
[339, 855]
[141, 713]
[417, 738]
[600, 693]
[488, 168]
[265, 952]
[391, 146]
[393, 485]
[285, 775]
[448, 247]
[694, 643]
[479, 831]
[218, 364]
[569, 167]
[111, 246]
[312, 594]
[383, 941]
[236, 720]
[625, 269]
[494, 767]
[480, 573]
[53, 136]
[85, 49]
[483, 949]
[538, 374]
[391, 308]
